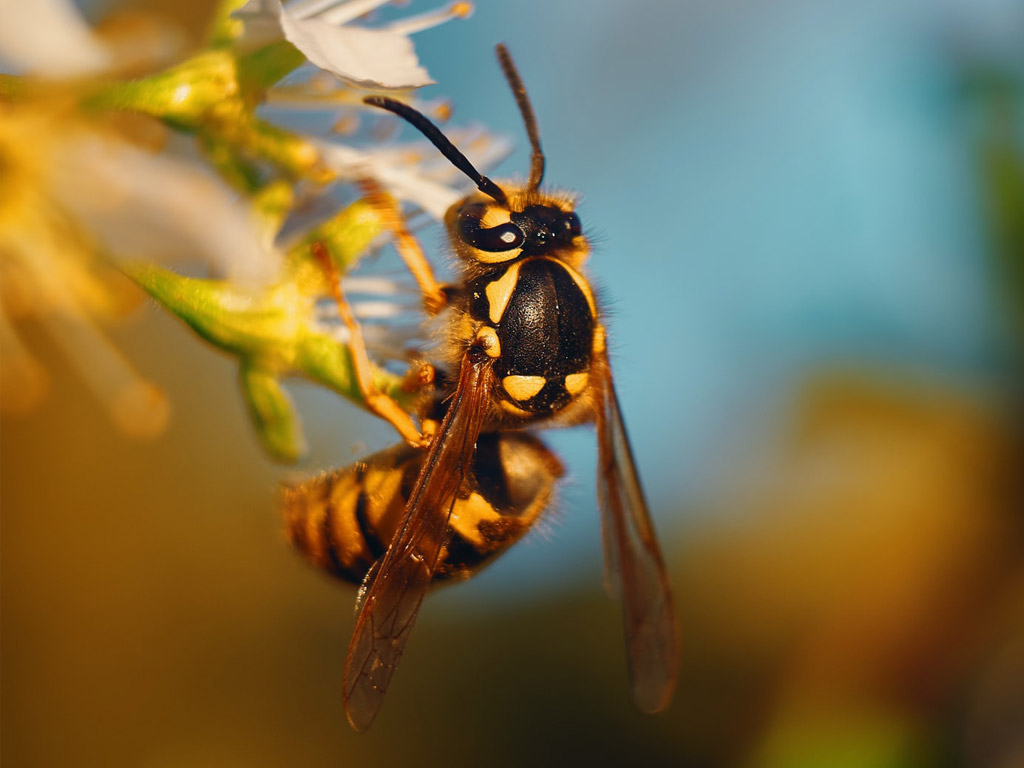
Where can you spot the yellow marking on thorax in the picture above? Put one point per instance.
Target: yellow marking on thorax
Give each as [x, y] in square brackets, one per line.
[600, 340]
[523, 387]
[583, 285]
[514, 409]
[576, 382]
[487, 337]
[500, 292]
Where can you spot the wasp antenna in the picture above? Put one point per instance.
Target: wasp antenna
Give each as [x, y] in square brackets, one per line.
[526, 110]
[439, 140]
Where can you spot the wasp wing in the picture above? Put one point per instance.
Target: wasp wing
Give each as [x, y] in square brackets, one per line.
[394, 590]
[634, 568]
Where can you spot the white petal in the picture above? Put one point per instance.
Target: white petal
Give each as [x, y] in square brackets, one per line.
[143, 205]
[378, 285]
[369, 58]
[410, 25]
[404, 183]
[48, 37]
[378, 310]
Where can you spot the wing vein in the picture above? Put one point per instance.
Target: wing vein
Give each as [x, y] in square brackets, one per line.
[394, 591]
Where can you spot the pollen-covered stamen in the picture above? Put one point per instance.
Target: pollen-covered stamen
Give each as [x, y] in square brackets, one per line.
[323, 82]
[443, 144]
[351, 10]
[401, 180]
[333, 11]
[413, 24]
[346, 125]
[487, 149]
[385, 129]
[442, 110]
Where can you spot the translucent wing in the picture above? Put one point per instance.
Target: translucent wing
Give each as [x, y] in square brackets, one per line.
[634, 569]
[394, 589]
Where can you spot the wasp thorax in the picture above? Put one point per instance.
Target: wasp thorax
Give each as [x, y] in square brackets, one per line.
[496, 234]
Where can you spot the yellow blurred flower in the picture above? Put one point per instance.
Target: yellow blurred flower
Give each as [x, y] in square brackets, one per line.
[75, 192]
[50, 270]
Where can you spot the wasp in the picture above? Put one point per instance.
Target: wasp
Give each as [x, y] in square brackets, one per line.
[525, 347]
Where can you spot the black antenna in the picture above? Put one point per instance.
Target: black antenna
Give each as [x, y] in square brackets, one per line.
[439, 140]
[516, 83]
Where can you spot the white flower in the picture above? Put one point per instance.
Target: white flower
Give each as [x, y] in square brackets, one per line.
[416, 173]
[139, 204]
[48, 38]
[381, 58]
[402, 180]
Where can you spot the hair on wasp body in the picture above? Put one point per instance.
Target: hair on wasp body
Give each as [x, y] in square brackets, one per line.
[525, 347]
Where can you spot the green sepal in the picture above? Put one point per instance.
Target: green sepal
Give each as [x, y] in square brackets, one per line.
[272, 203]
[262, 68]
[238, 171]
[225, 29]
[346, 236]
[323, 359]
[206, 95]
[261, 324]
[274, 333]
[184, 94]
[273, 413]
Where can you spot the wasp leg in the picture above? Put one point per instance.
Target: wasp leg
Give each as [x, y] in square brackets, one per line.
[376, 401]
[434, 297]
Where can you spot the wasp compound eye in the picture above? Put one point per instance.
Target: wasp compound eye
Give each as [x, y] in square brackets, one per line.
[503, 237]
[573, 225]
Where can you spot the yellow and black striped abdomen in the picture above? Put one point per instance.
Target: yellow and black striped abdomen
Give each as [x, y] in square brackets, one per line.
[343, 521]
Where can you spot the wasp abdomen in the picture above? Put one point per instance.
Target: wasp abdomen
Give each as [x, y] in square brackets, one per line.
[545, 325]
[338, 520]
[332, 518]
